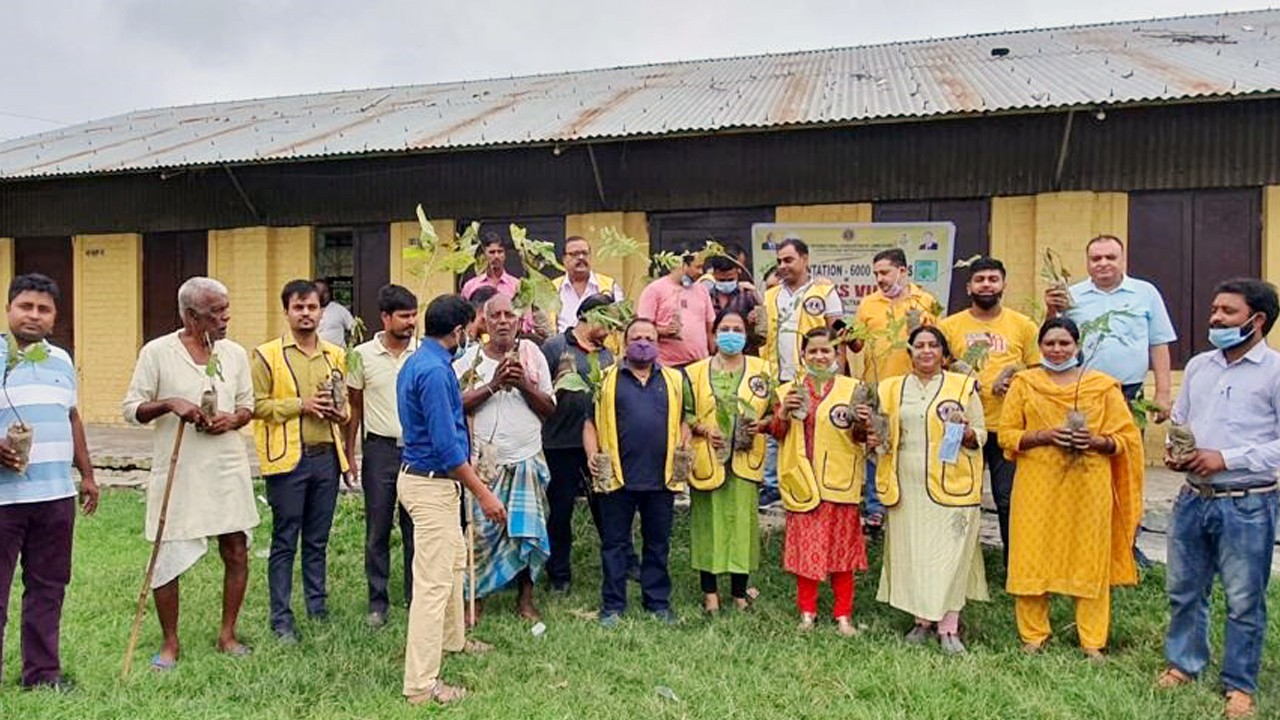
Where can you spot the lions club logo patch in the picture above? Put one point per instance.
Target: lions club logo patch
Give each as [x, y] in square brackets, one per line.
[759, 386]
[842, 417]
[946, 407]
[815, 306]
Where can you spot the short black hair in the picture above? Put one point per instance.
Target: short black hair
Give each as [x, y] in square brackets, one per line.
[726, 312]
[801, 247]
[481, 295]
[394, 298]
[591, 302]
[893, 255]
[1104, 238]
[818, 332]
[34, 282]
[1059, 322]
[1259, 295]
[445, 314]
[986, 263]
[720, 263]
[942, 339]
[301, 288]
[637, 321]
[492, 238]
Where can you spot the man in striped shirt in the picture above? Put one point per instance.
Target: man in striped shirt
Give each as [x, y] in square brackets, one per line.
[37, 493]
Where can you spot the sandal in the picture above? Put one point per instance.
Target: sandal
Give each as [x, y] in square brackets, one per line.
[744, 603]
[441, 693]
[1173, 677]
[161, 665]
[711, 604]
[845, 626]
[806, 621]
[239, 650]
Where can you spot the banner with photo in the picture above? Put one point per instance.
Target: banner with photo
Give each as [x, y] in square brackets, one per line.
[842, 253]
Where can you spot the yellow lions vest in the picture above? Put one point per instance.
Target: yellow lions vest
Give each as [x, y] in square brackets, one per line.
[839, 466]
[606, 418]
[605, 282]
[810, 313]
[953, 485]
[280, 444]
[753, 392]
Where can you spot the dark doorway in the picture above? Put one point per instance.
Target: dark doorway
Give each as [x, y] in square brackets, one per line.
[668, 231]
[51, 256]
[546, 229]
[972, 219]
[356, 262]
[1185, 243]
[168, 259]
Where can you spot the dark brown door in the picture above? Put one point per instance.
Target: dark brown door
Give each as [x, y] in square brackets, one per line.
[1185, 243]
[51, 256]
[669, 231]
[972, 219]
[372, 271]
[168, 259]
[546, 229]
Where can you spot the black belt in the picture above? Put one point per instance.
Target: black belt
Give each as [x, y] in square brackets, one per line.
[383, 439]
[317, 449]
[428, 474]
[1209, 492]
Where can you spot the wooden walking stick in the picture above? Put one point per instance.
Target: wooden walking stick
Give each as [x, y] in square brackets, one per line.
[471, 561]
[155, 552]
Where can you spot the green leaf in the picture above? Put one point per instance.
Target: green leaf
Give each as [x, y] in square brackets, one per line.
[665, 261]
[614, 244]
[573, 382]
[962, 264]
[975, 355]
[1142, 409]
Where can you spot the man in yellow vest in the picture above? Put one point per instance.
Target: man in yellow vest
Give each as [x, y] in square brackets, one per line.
[297, 429]
[579, 283]
[638, 425]
[796, 305]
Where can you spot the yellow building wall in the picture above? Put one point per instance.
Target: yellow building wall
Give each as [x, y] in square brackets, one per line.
[632, 272]
[1271, 234]
[255, 263]
[107, 272]
[839, 213]
[6, 275]
[404, 233]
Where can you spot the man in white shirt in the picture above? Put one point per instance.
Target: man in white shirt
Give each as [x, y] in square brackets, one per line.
[580, 282]
[336, 322]
[507, 391]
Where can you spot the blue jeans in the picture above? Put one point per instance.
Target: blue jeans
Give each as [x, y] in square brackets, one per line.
[871, 504]
[1231, 537]
[770, 462]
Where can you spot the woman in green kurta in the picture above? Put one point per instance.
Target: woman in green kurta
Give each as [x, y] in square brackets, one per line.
[725, 531]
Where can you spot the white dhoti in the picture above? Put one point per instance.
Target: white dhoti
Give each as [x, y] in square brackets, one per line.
[178, 556]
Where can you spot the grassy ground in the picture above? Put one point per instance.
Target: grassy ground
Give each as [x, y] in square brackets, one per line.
[737, 666]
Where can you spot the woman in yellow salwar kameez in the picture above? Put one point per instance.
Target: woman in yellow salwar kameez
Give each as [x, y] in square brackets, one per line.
[1077, 494]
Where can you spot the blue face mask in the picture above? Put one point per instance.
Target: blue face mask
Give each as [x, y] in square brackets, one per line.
[727, 287]
[1064, 366]
[686, 281]
[730, 342]
[1225, 338]
[461, 348]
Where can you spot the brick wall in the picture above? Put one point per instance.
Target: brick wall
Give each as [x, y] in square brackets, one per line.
[108, 320]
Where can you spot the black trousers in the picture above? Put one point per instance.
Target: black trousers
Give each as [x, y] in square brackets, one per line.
[569, 479]
[1002, 472]
[378, 477]
[302, 504]
[617, 513]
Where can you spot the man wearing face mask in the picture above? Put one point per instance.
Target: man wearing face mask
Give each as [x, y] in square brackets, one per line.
[894, 297]
[1224, 521]
[681, 307]
[638, 424]
[729, 293]
[436, 457]
[1010, 338]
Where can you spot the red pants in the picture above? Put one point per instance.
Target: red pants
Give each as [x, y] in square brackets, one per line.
[841, 587]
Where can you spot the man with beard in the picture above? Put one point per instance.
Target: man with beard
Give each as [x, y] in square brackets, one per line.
[336, 321]
[212, 494]
[299, 443]
[372, 385]
[895, 296]
[1010, 338]
[37, 493]
[579, 283]
[681, 308]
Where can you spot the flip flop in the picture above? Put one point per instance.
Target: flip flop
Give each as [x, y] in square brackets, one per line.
[159, 664]
[239, 651]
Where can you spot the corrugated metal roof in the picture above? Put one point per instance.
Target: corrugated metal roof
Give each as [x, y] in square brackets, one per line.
[1116, 63]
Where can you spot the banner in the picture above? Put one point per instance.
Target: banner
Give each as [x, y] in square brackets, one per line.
[842, 252]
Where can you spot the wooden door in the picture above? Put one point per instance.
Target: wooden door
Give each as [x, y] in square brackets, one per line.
[671, 230]
[51, 256]
[372, 271]
[168, 259]
[546, 229]
[972, 219]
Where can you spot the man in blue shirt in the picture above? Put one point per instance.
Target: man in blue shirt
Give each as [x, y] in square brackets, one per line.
[436, 461]
[1224, 521]
[37, 493]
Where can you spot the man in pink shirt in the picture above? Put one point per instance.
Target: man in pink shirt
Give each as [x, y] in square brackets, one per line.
[681, 308]
[495, 274]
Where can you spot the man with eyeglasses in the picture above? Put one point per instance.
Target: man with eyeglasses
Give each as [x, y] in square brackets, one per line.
[579, 283]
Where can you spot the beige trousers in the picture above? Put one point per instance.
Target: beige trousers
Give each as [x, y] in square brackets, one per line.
[439, 563]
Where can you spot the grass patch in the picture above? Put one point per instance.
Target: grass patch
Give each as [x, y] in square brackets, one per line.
[751, 665]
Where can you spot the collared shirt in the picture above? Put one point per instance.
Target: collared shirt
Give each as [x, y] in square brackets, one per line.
[335, 323]
[567, 317]
[506, 284]
[663, 301]
[788, 309]
[375, 377]
[563, 429]
[1125, 355]
[642, 429]
[43, 394]
[308, 372]
[875, 311]
[1235, 409]
[430, 405]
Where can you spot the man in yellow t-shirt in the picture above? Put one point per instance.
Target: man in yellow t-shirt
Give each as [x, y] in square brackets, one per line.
[1011, 340]
[895, 297]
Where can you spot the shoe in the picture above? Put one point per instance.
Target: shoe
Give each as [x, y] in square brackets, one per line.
[319, 616]
[560, 588]
[666, 616]
[769, 497]
[61, 685]
[376, 619]
[1239, 705]
[951, 645]
[287, 635]
[1172, 677]
[610, 621]
[918, 634]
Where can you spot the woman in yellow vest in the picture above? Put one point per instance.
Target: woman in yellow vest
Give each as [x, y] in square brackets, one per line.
[821, 471]
[1077, 496]
[930, 481]
[727, 405]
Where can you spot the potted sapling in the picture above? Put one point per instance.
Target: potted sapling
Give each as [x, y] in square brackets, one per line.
[212, 369]
[1055, 275]
[1097, 330]
[20, 434]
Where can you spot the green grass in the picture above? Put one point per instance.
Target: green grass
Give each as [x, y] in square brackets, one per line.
[737, 666]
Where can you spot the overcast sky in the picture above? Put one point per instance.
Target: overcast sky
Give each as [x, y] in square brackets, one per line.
[68, 61]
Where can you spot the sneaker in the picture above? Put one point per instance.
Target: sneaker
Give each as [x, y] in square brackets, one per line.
[665, 616]
[61, 685]
[769, 497]
[286, 634]
[610, 620]
[376, 619]
[560, 588]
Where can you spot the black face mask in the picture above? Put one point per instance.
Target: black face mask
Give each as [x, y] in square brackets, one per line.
[986, 302]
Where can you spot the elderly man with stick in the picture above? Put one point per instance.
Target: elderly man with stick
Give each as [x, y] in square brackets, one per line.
[195, 375]
[37, 493]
